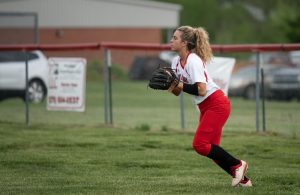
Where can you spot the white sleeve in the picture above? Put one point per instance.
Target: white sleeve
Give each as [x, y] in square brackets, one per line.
[197, 71]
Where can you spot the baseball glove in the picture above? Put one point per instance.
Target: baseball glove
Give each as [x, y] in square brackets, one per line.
[163, 78]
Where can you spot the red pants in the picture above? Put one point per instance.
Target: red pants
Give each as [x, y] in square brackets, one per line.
[215, 111]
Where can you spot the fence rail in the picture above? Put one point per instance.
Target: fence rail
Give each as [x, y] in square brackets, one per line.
[148, 46]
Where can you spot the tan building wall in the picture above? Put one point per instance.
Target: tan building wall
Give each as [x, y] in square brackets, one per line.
[81, 35]
[17, 36]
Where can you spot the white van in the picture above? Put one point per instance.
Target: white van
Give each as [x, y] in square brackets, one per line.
[12, 75]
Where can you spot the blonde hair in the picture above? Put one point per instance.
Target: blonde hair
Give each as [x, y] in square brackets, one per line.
[197, 41]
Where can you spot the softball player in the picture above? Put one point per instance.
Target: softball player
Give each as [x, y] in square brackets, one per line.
[194, 51]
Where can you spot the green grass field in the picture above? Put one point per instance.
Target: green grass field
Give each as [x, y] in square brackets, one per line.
[145, 152]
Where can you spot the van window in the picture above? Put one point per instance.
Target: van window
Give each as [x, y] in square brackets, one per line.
[16, 56]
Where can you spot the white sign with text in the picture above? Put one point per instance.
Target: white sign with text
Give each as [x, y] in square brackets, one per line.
[67, 84]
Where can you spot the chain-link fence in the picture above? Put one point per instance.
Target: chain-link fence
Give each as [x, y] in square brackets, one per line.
[117, 93]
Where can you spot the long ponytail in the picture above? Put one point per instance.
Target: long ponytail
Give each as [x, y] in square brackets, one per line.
[202, 48]
[197, 41]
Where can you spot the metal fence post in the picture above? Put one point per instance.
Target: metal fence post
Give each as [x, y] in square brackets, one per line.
[182, 111]
[107, 88]
[257, 87]
[26, 90]
[263, 99]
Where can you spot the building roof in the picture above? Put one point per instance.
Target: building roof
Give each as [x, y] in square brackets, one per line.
[97, 13]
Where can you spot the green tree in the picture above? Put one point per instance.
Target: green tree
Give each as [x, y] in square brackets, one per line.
[293, 33]
[231, 21]
[285, 21]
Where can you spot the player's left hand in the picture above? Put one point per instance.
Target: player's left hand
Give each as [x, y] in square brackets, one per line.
[163, 78]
